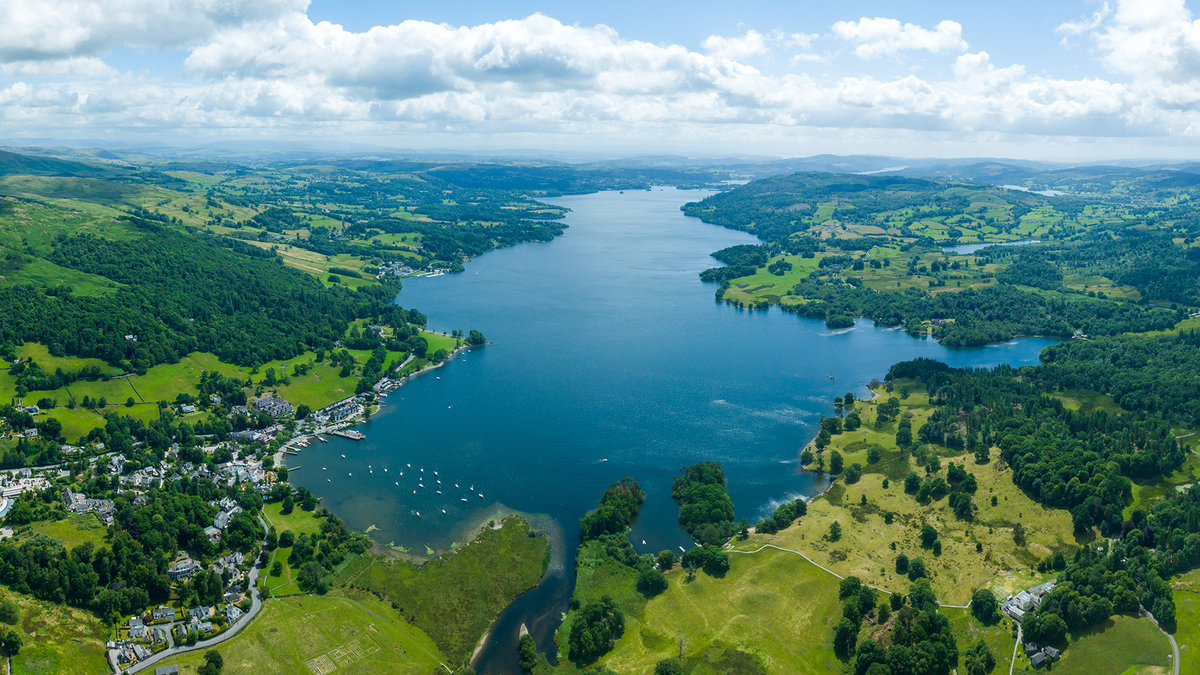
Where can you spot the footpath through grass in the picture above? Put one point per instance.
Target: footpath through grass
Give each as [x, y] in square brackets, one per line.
[455, 598]
[349, 630]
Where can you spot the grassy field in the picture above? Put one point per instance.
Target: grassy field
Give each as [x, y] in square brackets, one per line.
[438, 341]
[968, 630]
[350, 630]
[58, 640]
[454, 599]
[1187, 620]
[1123, 645]
[73, 530]
[320, 387]
[772, 603]
[865, 549]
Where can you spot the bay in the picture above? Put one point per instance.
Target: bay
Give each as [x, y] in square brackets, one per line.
[609, 358]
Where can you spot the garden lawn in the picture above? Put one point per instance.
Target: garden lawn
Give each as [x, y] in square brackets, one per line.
[351, 630]
[298, 521]
[74, 530]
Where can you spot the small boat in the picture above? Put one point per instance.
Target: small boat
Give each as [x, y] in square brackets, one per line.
[397, 483]
[328, 481]
[324, 469]
[464, 499]
[435, 473]
[322, 439]
[604, 460]
[343, 457]
[481, 496]
[439, 482]
[439, 378]
[439, 492]
[681, 549]
[420, 486]
[352, 475]
[422, 470]
[371, 472]
[368, 466]
[408, 465]
[418, 513]
[401, 473]
[456, 485]
[643, 542]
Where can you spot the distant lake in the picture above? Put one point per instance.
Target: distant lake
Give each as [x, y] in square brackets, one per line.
[610, 359]
[1044, 193]
[967, 249]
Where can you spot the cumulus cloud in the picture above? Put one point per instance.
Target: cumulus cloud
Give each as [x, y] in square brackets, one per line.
[73, 33]
[274, 68]
[886, 37]
[751, 44]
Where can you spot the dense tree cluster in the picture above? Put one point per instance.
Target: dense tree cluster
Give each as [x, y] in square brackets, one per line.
[1154, 375]
[1073, 459]
[595, 629]
[980, 316]
[619, 505]
[705, 509]
[921, 641]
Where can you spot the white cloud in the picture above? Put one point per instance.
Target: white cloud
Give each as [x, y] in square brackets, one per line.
[886, 37]
[72, 33]
[752, 43]
[76, 67]
[277, 70]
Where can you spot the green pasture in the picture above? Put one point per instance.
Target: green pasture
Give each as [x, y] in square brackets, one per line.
[348, 630]
[1122, 645]
[58, 639]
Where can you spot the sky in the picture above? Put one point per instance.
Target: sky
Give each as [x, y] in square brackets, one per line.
[1059, 79]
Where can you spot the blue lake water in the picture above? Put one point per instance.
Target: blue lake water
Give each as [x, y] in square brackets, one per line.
[609, 359]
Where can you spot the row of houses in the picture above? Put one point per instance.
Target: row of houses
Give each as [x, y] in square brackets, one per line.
[79, 503]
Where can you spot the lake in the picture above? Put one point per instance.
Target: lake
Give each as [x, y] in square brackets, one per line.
[610, 358]
[967, 249]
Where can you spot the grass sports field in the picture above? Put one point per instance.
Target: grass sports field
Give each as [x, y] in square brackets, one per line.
[345, 631]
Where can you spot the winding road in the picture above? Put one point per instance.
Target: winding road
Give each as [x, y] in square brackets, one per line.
[242, 622]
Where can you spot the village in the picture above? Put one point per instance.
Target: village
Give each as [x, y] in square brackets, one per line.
[254, 461]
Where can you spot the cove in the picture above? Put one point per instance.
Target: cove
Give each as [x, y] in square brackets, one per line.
[609, 358]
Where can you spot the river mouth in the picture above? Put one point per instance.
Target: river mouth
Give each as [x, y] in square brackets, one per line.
[609, 358]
